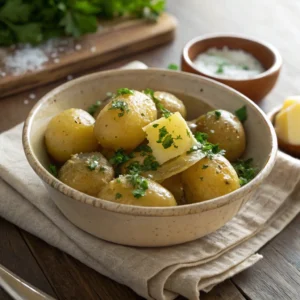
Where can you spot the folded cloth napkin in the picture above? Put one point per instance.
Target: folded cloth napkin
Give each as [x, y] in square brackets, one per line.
[154, 273]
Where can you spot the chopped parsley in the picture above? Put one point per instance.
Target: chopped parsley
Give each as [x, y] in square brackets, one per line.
[119, 157]
[217, 114]
[53, 170]
[166, 113]
[204, 167]
[118, 196]
[173, 67]
[149, 164]
[245, 170]
[201, 178]
[124, 91]
[166, 139]
[155, 125]
[102, 169]
[245, 67]
[206, 147]
[139, 183]
[241, 113]
[121, 105]
[93, 108]
[93, 162]
[144, 149]
[220, 69]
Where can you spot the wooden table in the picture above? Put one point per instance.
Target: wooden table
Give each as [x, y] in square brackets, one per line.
[277, 276]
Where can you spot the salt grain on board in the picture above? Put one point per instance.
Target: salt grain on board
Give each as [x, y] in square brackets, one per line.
[23, 60]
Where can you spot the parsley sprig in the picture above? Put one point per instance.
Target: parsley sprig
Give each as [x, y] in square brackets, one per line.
[125, 91]
[242, 114]
[245, 170]
[53, 170]
[139, 183]
[94, 107]
[165, 112]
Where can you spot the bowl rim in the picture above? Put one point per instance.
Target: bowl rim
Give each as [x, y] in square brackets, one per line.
[273, 69]
[180, 210]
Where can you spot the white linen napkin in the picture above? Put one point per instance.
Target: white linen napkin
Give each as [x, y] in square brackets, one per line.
[154, 273]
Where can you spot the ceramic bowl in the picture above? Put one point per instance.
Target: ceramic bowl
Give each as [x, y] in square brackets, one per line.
[148, 226]
[255, 88]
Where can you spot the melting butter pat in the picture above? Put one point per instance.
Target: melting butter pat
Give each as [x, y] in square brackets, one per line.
[287, 121]
[169, 137]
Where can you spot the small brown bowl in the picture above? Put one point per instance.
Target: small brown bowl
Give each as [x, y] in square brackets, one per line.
[293, 150]
[255, 88]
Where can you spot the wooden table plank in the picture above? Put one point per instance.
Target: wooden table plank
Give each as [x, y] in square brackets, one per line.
[15, 255]
[71, 279]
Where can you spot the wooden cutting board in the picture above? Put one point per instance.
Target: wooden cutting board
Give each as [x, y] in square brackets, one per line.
[68, 56]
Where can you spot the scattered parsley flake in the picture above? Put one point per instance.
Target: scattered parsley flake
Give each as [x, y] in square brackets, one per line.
[188, 133]
[118, 196]
[125, 91]
[168, 141]
[204, 167]
[217, 114]
[162, 133]
[119, 157]
[53, 170]
[178, 137]
[93, 108]
[155, 125]
[242, 113]
[173, 67]
[139, 183]
[245, 67]
[121, 105]
[201, 178]
[245, 170]
[92, 162]
[102, 169]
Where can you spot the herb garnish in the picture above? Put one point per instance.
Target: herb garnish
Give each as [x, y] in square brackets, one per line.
[121, 105]
[139, 183]
[155, 125]
[118, 196]
[93, 162]
[245, 67]
[166, 113]
[245, 170]
[124, 91]
[166, 139]
[217, 114]
[119, 157]
[206, 147]
[242, 113]
[53, 170]
[93, 108]
[144, 149]
[173, 67]
[204, 167]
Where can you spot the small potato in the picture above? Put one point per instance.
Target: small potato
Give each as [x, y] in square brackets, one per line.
[208, 179]
[119, 124]
[175, 186]
[225, 129]
[87, 172]
[171, 103]
[120, 190]
[70, 132]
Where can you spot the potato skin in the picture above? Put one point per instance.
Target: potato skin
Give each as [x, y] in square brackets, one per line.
[171, 103]
[155, 196]
[225, 130]
[114, 131]
[70, 132]
[208, 179]
[175, 186]
[77, 174]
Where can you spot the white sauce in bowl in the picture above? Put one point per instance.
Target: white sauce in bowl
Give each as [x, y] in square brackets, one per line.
[228, 63]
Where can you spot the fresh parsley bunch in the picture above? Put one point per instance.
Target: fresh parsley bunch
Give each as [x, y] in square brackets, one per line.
[34, 21]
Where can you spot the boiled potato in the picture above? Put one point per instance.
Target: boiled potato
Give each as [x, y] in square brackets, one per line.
[120, 190]
[171, 103]
[70, 132]
[119, 124]
[87, 172]
[175, 186]
[208, 179]
[225, 129]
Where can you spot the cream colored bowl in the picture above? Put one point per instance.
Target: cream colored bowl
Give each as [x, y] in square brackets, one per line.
[143, 226]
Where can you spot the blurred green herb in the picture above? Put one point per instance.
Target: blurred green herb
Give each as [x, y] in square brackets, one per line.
[173, 67]
[53, 170]
[121, 105]
[124, 91]
[242, 114]
[245, 170]
[93, 108]
[24, 21]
